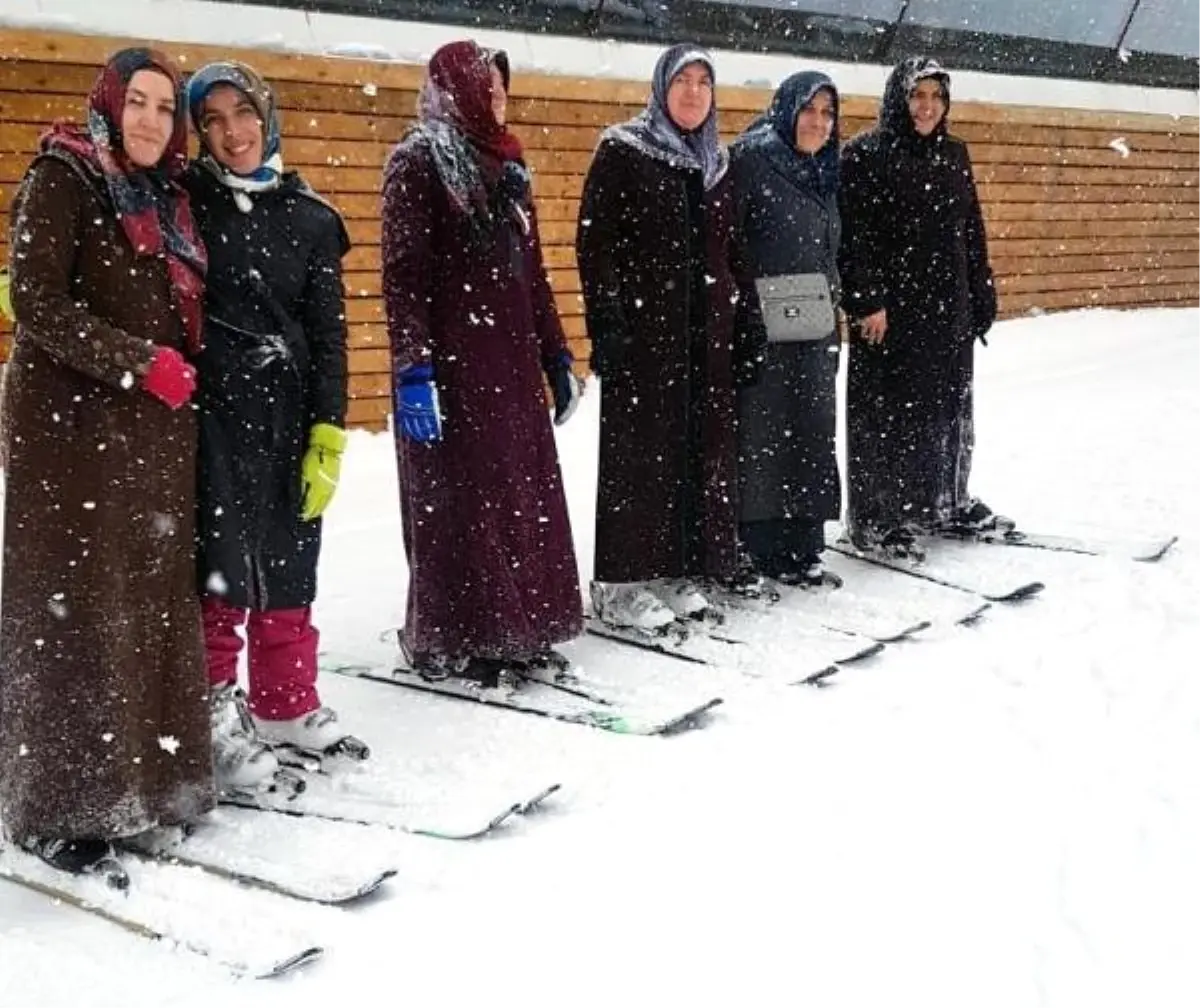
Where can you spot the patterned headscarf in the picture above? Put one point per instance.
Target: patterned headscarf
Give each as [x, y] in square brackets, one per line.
[269, 174]
[654, 132]
[151, 206]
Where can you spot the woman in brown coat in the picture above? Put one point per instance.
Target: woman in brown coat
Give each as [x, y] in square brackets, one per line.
[104, 730]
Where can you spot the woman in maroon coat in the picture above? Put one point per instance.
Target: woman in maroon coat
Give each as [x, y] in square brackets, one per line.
[674, 323]
[474, 333]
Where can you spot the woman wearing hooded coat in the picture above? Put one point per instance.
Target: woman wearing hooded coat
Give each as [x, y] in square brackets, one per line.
[665, 293]
[784, 170]
[103, 714]
[272, 403]
[917, 283]
[474, 334]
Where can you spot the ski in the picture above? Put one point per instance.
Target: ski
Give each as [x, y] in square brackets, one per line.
[693, 649]
[579, 710]
[1145, 551]
[330, 863]
[366, 810]
[174, 904]
[817, 611]
[1010, 590]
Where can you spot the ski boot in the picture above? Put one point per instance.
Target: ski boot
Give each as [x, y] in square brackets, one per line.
[976, 518]
[686, 600]
[896, 543]
[546, 666]
[82, 856]
[243, 764]
[811, 573]
[160, 841]
[631, 606]
[315, 734]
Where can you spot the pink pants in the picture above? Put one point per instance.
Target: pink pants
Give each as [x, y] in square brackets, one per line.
[282, 660]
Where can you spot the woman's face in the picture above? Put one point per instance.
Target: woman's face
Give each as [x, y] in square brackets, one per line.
[814, 123]
[148, 117]
[690, 97]
[499, 96]
[927, 105]
[232, 129]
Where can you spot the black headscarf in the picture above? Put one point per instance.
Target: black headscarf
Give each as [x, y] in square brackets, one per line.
[773, 135]
[894, 117]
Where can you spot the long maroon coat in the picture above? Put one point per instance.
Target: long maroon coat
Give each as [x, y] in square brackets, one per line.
[492, 570]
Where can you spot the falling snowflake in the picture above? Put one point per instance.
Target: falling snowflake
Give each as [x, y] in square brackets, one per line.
[1120, 145]
[370, 90]
[168, 744]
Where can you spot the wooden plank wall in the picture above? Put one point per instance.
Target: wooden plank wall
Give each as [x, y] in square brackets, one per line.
[1082, 208]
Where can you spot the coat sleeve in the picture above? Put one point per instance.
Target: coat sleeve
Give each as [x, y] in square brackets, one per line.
[861, 261]
[325, 324]
[48, 216]
[750, 331]
[982, 285]
[552, 341]
[598, 248]
[407, 253]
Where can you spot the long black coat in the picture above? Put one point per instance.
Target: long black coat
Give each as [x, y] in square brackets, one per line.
[274, 363]
[663, 290]
[787, 420]
[913, 243]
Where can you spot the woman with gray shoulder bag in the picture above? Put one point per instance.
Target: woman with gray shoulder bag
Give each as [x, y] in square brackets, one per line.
[784, 169]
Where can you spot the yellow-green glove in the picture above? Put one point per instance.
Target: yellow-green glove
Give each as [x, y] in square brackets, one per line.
[5, 296]
[320, 468]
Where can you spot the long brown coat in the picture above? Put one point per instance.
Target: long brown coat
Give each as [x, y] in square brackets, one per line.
[673, 318]
[103, 717]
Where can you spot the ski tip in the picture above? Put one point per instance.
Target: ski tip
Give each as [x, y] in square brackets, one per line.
[862, 654]
[819, 679]
[292, 962]
[1018, 594]
[692, 719]
[535, 802]
[974, 616]
[1157, 551]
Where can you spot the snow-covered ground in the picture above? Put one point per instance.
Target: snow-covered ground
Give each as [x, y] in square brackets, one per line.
[999, 816]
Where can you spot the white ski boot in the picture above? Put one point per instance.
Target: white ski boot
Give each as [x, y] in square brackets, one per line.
[314, 734]
[243, 763]
[630, 605]
[684, 598]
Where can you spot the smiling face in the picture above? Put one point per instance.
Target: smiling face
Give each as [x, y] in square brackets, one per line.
[233, 130]
[927, 105]
[690, 97]
[814, 123]
[148, 117]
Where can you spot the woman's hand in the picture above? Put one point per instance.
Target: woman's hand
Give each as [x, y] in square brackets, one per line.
[874, 327]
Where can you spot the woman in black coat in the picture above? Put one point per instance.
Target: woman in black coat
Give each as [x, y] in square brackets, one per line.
[272, 397]
[917, 283]
[663, 295]
[785, 174]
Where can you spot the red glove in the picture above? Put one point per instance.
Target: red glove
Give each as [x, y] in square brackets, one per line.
[170, 378]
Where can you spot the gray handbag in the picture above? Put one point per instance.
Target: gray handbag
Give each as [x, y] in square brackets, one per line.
[796, 308]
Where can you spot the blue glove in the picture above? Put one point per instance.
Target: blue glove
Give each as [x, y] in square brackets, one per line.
[417, 410]
[565, 387]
